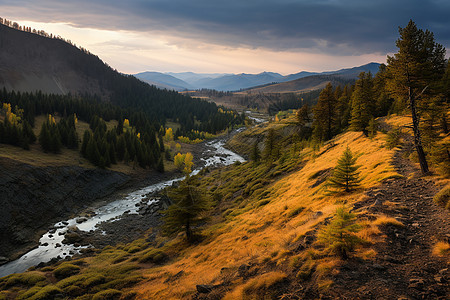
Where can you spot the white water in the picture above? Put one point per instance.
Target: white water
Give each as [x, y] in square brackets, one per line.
[51, 245]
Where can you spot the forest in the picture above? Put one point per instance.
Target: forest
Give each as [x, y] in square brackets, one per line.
[137, 138]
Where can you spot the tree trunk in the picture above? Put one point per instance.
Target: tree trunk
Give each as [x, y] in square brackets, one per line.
[417, 138]
[188, 231]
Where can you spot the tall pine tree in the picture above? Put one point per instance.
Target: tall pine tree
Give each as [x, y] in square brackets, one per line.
[413, 74]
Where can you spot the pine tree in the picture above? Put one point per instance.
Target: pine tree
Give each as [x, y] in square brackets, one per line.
[44, 138]
[255, 153]
[325, 125]
[270, 146]
[189, 202]
[345, 176]
[413, 75]
[362, 103]
[339, 235]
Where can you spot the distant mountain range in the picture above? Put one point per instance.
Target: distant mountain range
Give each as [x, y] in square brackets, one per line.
[236, 82]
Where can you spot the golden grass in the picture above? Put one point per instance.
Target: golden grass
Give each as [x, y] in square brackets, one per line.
[385, 220]
[442, 249]
[226, 247]
[258, 287]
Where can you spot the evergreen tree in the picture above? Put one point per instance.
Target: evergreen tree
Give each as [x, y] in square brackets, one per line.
[86, 137]
[269, 145]
[189, 202]
[362, 103]
[339, 235]
[345, 176]
[413, 74]
[255, 153]
[325, 115]
[44, 138]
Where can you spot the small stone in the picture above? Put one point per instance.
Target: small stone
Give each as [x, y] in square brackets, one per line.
[415, 224]
[81, 220]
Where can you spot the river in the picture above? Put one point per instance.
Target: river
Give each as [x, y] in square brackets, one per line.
[50, 244]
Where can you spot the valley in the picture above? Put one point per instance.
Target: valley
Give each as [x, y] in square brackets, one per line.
[184, 185]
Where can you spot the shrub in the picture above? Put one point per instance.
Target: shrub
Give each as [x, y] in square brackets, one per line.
[66, 270]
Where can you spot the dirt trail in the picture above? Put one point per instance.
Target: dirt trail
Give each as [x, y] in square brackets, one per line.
[404, 267]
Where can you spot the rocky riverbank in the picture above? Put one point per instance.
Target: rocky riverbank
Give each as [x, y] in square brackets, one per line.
[32, 198]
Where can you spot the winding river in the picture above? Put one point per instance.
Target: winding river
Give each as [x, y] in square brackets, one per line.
[50, 244]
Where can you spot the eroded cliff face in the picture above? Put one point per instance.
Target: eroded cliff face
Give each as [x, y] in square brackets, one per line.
[32, 198]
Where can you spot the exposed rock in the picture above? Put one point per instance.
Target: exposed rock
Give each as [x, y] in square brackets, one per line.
[34, 198]
[72, 238]
[81, 220]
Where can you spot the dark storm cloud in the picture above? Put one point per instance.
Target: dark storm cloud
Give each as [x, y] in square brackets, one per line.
[347, 27]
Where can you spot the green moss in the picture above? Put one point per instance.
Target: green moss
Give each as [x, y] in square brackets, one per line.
[120, 270]
[153, 255]
[107, 295]
[66, 270]
[26, 279]
[41, 293]
[93, 280]
[72, 280]
[74, 291]
[121, 283]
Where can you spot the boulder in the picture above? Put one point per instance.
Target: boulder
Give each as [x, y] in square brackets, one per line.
[72, 238]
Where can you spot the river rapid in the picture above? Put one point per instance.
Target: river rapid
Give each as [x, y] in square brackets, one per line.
[50, 244]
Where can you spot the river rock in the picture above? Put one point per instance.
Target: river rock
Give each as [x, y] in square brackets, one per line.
[81, 220]
[3, 260]
[72, 238]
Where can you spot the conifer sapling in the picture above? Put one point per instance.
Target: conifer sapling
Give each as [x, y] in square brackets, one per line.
[345, 175]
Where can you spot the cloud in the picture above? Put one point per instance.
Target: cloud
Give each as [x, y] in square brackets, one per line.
[337, 27]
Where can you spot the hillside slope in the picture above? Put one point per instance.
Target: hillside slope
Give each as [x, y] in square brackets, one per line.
[29, 62]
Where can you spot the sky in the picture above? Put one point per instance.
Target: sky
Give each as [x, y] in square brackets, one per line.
[232, 36]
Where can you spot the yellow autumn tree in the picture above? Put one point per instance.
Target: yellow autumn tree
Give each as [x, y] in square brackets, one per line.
[169, 135]
[188, 163]
[184, 162]
[178, 161]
